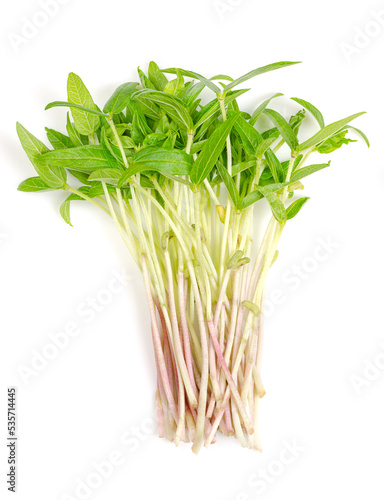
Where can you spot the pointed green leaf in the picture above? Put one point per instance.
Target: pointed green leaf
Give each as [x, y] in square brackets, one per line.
[274, 165]
[150, 109]
[308, 170]
[213, 108]
[157, 78]
[258, 71]
[295, 207]
[327, 132]
[197, 146]
[145, 82]
[85, 122]
[167, 161]
[259, 110]
[264, 146]
[283, 127]
[243, 165]
[65, 211]
[172, 105]
[258, 195]
[97, 189]
[74, 135]
[80, 176]
[140, 127]
[120, 98]
[84, 158]
[107, 175]
[175, 87]
[112, 155]
[192, 74]
[72, 105]
[57, 139]
[275, 203]
[193, 93]
[65, 206]
[230, 185]
[250, 137]
[54, 177]
[211, 150]
[312, 109]
[34, 184]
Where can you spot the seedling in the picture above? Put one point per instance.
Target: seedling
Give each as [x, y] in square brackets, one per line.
[180, 180]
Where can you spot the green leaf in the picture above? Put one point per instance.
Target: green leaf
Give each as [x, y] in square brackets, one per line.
[155, 139]
[113, 156]
[66, 104]
[249, 136]
[312, 109]
[172, 105]
[84, 158]
[207, 112]
[308, 170]
[145, 82]
[264, 146]
[74, 135]
[258, 195]
[193, 93]
[107, 175]
[360, 132]
[259, 110]
[243, 165]
[57, 139]
[98, 190]
[296, 120]
[326, 132]
[65, 211]
[54, 177]
[65, 206]
[140, 127]
[211, 150]
[157, 78]
[85, 122]
[81, 176]
[120, 98]
[34, 184]
[230, 185]
[167, 161]
[192, 74]
[274, 165]
[272, 132]
[295, 207]
[283, 127]
[213, 107]
[334, 142]
[175, 87]
[197, 146]
[258, 71]
[149, 109]
[111, 150]
[275, 203]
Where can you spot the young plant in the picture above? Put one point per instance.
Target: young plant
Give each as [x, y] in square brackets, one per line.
[180, 179]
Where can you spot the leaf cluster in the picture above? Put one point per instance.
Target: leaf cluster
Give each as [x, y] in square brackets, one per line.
[159, 129]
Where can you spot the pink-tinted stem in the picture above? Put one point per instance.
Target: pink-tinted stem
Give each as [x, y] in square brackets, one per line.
[185, 331]
[235, 393]
[157, 342]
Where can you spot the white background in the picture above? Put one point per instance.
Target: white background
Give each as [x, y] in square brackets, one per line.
[75, 411]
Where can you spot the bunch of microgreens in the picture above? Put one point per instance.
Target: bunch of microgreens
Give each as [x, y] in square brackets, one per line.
[180, 179]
